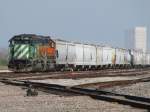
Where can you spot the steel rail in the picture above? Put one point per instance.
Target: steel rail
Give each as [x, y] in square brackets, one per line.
[67, 75]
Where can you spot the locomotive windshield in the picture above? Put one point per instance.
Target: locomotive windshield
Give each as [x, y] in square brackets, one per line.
[20, 42]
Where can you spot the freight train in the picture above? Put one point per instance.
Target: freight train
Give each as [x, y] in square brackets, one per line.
[30, 52]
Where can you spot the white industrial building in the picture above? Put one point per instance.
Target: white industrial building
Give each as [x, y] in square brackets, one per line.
[140, 39]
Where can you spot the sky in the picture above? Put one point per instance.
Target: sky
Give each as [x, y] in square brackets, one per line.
[93, 21]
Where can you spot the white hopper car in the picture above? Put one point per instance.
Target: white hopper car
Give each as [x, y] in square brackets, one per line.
[88, 56]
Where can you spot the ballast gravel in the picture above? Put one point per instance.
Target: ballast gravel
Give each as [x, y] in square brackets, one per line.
[139, 89]
[14, 99]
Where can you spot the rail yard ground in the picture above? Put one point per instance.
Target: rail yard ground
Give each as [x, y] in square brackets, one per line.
[14, 99]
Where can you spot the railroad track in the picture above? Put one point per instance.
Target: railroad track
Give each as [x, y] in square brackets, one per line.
[108, 84]
[75, 74]
[134, 101]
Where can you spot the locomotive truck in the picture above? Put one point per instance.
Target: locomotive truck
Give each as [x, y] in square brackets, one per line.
[30, 52]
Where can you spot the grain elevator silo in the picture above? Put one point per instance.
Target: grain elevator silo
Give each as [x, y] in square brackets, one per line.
[140, 38]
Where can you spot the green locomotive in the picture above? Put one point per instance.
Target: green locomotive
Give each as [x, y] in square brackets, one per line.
[29, 52]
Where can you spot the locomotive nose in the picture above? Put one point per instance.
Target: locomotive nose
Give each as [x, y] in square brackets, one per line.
[21, 51]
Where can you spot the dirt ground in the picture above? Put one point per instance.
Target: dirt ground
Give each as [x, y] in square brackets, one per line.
[14, 99]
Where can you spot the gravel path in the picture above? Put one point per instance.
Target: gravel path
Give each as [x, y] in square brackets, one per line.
[75, 82]
[4, 71]
[13, 99]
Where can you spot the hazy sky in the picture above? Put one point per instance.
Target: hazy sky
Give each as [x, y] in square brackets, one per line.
[95, 21]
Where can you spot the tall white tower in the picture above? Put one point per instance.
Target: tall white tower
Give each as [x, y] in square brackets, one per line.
[140, 38]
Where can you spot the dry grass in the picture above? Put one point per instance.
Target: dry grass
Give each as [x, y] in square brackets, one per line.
[3, 67]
